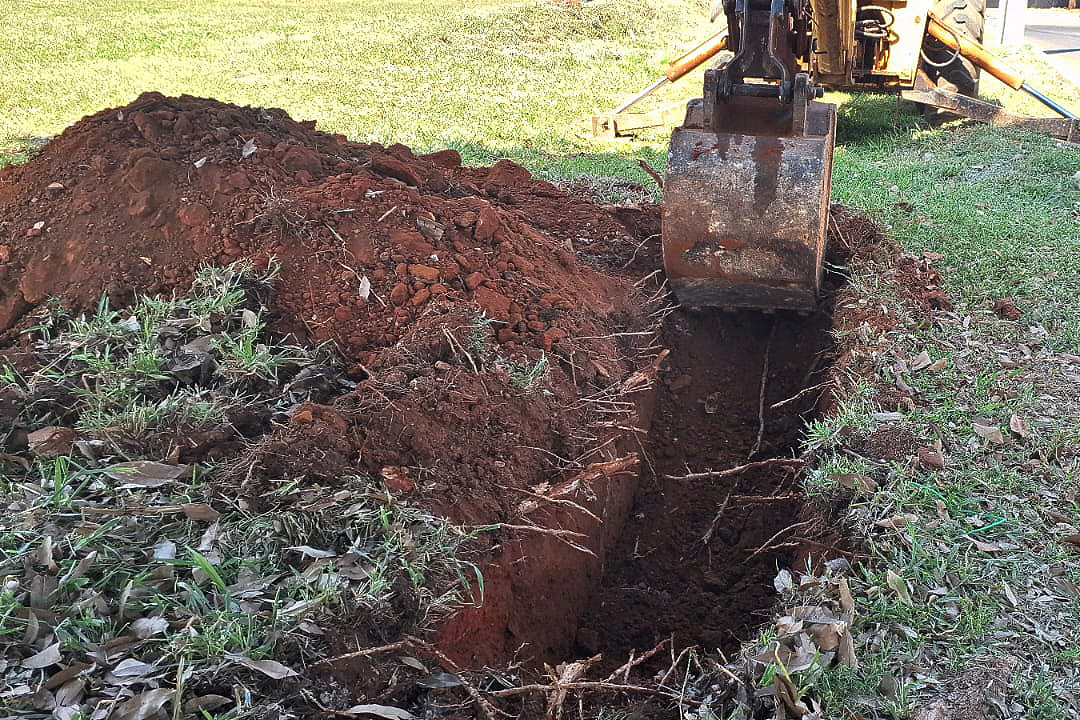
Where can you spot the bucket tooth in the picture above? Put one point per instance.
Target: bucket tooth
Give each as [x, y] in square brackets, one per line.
[745, 208]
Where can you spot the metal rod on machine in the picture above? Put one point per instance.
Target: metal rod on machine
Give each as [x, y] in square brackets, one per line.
[1047, 101]
[979, 55]
[681, 66]
[641, 96]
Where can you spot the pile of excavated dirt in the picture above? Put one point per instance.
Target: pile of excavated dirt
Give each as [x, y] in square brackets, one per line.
[493, 369]
[369, 238]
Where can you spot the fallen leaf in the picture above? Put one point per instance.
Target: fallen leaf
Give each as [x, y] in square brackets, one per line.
[440, 680]
[930, 458]
[985, 546]
[897, 521]
[847, 601]
[921, 361]
[783, 582]
[132, 668]
[887, 417]
[413, 663]
[67, 712]
[1006, 309]
[69, 693]
[165, 550]
[898, 585]
[205, 702]
[269, 668]
[989, 432]
[145, 473]
[1018, 426]
[200, 511]
[382, 711]
[51, 442]
[311, 552]
[846, 651]
[65, 675]
[856, 481]
[144, 704]
[149, 627]
[45, 658]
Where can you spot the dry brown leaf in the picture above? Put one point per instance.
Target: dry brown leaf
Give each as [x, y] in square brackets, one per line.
[930, 458]
[51, 442]
[44, 554]
[826, 636]
[144, 704]
[847, 602]
[45, 658]
[788, 694]
[898, 585]
[70, 692]
[205, 702]
[856, 481]
[269, 668]
[63, 676]
[921, 361]
[989, 432]
[897, 521]
[33, 627]
[846, 651]
[145, 473]
[200, 512]
[1018, 426]
[985, 546]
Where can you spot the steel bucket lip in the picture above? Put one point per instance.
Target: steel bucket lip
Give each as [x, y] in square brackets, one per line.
[744, 215]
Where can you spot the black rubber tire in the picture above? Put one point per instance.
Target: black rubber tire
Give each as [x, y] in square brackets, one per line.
[967, 18]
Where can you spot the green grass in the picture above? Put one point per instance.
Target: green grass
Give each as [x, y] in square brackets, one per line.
[491, 78]
[518, 79]
[205, 579]
[1001, 206]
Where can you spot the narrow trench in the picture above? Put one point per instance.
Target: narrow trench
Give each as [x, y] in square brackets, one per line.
[679, 568]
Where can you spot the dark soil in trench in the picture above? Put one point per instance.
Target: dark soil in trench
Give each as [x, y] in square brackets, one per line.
[690, 562]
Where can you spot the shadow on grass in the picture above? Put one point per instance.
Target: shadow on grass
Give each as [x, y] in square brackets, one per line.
[866, 117]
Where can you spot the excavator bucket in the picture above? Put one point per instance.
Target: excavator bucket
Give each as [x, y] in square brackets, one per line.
[746, 200]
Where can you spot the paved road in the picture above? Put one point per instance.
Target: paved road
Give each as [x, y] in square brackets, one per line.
[1061, 43]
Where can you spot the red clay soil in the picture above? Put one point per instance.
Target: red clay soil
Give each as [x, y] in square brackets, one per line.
[134, 199]
[473, 280]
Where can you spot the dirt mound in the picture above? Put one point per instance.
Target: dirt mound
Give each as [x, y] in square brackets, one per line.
[492, 354]
[134, 199]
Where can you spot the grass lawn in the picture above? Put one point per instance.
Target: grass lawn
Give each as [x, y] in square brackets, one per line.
[989, 587]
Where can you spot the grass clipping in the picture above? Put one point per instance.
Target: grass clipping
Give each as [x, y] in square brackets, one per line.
[134, 584]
